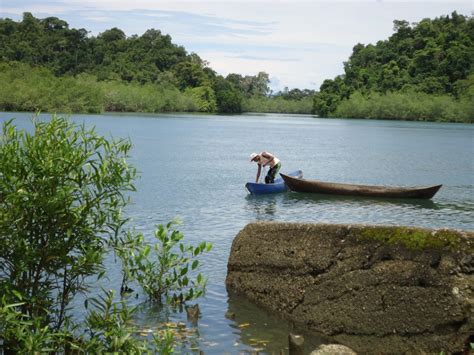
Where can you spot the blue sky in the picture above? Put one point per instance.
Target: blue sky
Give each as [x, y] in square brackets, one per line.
[299, 43]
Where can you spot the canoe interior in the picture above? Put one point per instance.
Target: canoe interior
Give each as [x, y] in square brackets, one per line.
[315, 186]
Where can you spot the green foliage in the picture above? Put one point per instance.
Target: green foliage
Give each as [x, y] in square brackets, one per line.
[204, 97]
[190, 75]
[61, 190]
[414, 106]
[29, 89]
[133, 97]
[109, 328]
[430, 57]
[50, 42]
[64, 70]
[23, 334]
[278, 104]
[294, 94]
[162, 269]
[228, 97]
[250, 85]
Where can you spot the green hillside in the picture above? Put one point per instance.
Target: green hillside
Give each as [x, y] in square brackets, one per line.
[424, 71]
[48, 66]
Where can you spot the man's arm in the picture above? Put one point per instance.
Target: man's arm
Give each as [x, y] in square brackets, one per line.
[258, 173]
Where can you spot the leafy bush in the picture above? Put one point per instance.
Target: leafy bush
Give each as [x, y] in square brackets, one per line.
[25, 88]
[278, 105]
[406, 106]
[204, 97]
[110, 329]
[162, 269]
[62, 188]
[60, 192]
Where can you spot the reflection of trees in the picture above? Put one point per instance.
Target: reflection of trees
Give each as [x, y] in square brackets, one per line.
[263, 331]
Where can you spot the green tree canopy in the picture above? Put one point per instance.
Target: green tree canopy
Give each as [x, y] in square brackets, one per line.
[429, 57]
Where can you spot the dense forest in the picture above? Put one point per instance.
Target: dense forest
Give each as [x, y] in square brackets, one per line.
[48, 66]
[424, 71]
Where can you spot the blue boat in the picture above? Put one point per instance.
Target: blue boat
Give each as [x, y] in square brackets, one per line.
[278, 186]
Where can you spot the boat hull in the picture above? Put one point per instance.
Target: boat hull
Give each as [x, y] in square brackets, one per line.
[278, 186]
[321, 187]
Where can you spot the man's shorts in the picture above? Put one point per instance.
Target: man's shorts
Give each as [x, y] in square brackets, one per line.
[270, 178]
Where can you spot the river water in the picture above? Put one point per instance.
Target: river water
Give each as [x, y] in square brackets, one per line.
[196, 166]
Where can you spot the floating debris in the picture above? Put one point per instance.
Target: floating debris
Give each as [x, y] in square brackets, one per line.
[145, 332]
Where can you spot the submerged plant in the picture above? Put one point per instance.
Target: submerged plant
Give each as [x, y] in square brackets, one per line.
[110, 329]
[163, 269]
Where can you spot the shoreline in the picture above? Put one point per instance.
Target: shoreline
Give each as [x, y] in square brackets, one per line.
[253, 113]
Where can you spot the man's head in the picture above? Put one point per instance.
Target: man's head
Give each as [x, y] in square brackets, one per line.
[254, 157]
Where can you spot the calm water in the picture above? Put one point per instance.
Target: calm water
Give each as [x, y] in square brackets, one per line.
[196, 167]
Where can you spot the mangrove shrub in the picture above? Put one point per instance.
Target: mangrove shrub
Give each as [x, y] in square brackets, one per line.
[61, 191]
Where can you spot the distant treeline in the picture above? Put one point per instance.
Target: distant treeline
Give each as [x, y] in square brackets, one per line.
[422, 72]
[45, 65]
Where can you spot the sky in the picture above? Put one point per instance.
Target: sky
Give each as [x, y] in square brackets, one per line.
[299, 43]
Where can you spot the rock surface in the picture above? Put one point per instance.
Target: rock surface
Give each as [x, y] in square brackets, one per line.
[375, 289]
[333, 349]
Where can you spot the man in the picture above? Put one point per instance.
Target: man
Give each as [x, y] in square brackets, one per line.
[266, 159]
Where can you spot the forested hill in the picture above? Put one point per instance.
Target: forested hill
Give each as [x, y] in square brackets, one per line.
[150, 69]
[423, 71]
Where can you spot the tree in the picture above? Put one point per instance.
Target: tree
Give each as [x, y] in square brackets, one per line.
[259, 84]
[228, 98]
[61, 192]
[190, 75]
[204, 97]
[430, 57]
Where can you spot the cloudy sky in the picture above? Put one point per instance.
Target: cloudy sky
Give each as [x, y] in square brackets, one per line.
[299, 43]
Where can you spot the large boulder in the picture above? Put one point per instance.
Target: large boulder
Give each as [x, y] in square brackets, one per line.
[373, 288]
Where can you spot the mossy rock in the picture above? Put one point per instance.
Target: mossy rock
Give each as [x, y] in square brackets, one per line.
[413, 238]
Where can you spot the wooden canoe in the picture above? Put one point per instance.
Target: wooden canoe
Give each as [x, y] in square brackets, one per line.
[303, 185]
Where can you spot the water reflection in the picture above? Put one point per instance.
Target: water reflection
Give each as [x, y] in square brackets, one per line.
[264, 207]
[294, 197]
[261, 331]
